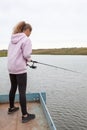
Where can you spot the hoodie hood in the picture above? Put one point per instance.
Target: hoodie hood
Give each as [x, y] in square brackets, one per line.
[15, 38]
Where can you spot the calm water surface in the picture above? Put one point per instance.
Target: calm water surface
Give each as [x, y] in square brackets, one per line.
[66, 91]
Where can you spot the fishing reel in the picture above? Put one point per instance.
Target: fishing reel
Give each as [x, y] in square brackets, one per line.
[32, 66]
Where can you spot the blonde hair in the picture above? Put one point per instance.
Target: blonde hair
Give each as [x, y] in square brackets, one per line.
[21, 26]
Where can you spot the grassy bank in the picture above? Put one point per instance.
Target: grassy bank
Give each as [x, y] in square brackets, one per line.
[3, 53]
[61, 51]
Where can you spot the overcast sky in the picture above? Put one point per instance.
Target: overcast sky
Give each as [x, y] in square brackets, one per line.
[56, 23]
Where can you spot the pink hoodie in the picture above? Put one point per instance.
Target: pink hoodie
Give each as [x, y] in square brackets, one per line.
[19, 52]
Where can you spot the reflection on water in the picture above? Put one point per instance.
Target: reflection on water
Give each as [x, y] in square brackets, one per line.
[66, 91]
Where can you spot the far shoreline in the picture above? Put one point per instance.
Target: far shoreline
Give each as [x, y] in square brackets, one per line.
[54, 51]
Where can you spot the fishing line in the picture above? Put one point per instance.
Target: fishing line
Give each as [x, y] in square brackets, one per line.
[65, 69]
[34, 67]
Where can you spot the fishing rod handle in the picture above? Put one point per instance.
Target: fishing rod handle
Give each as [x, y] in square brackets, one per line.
[34, 61]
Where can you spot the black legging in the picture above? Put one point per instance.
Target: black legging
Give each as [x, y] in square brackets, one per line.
[21, 81]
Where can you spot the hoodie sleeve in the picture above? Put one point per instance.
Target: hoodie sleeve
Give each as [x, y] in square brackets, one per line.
[27, 50]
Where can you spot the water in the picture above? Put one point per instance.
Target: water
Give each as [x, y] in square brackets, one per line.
[66, 91]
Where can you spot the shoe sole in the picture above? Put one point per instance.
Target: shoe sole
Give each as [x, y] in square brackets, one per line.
[25, 121]
[13, 111]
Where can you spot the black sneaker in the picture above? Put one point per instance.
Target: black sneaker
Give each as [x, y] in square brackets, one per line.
[28, 118]
[12, 110]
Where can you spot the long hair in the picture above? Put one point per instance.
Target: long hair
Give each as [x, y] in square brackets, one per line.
[21, 26]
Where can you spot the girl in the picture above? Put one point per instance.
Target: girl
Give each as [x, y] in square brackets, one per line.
[19, 52]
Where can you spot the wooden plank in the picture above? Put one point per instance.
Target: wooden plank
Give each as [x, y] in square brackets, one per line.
[7, 122]
[39, 123]
[13, 122]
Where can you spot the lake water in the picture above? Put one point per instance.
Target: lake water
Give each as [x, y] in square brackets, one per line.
[66, 91]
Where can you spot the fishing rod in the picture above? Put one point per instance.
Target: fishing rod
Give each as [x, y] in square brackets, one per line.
[34, 67]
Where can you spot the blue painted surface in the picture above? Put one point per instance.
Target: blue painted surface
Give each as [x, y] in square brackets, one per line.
[47, 114]
[29, 97]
